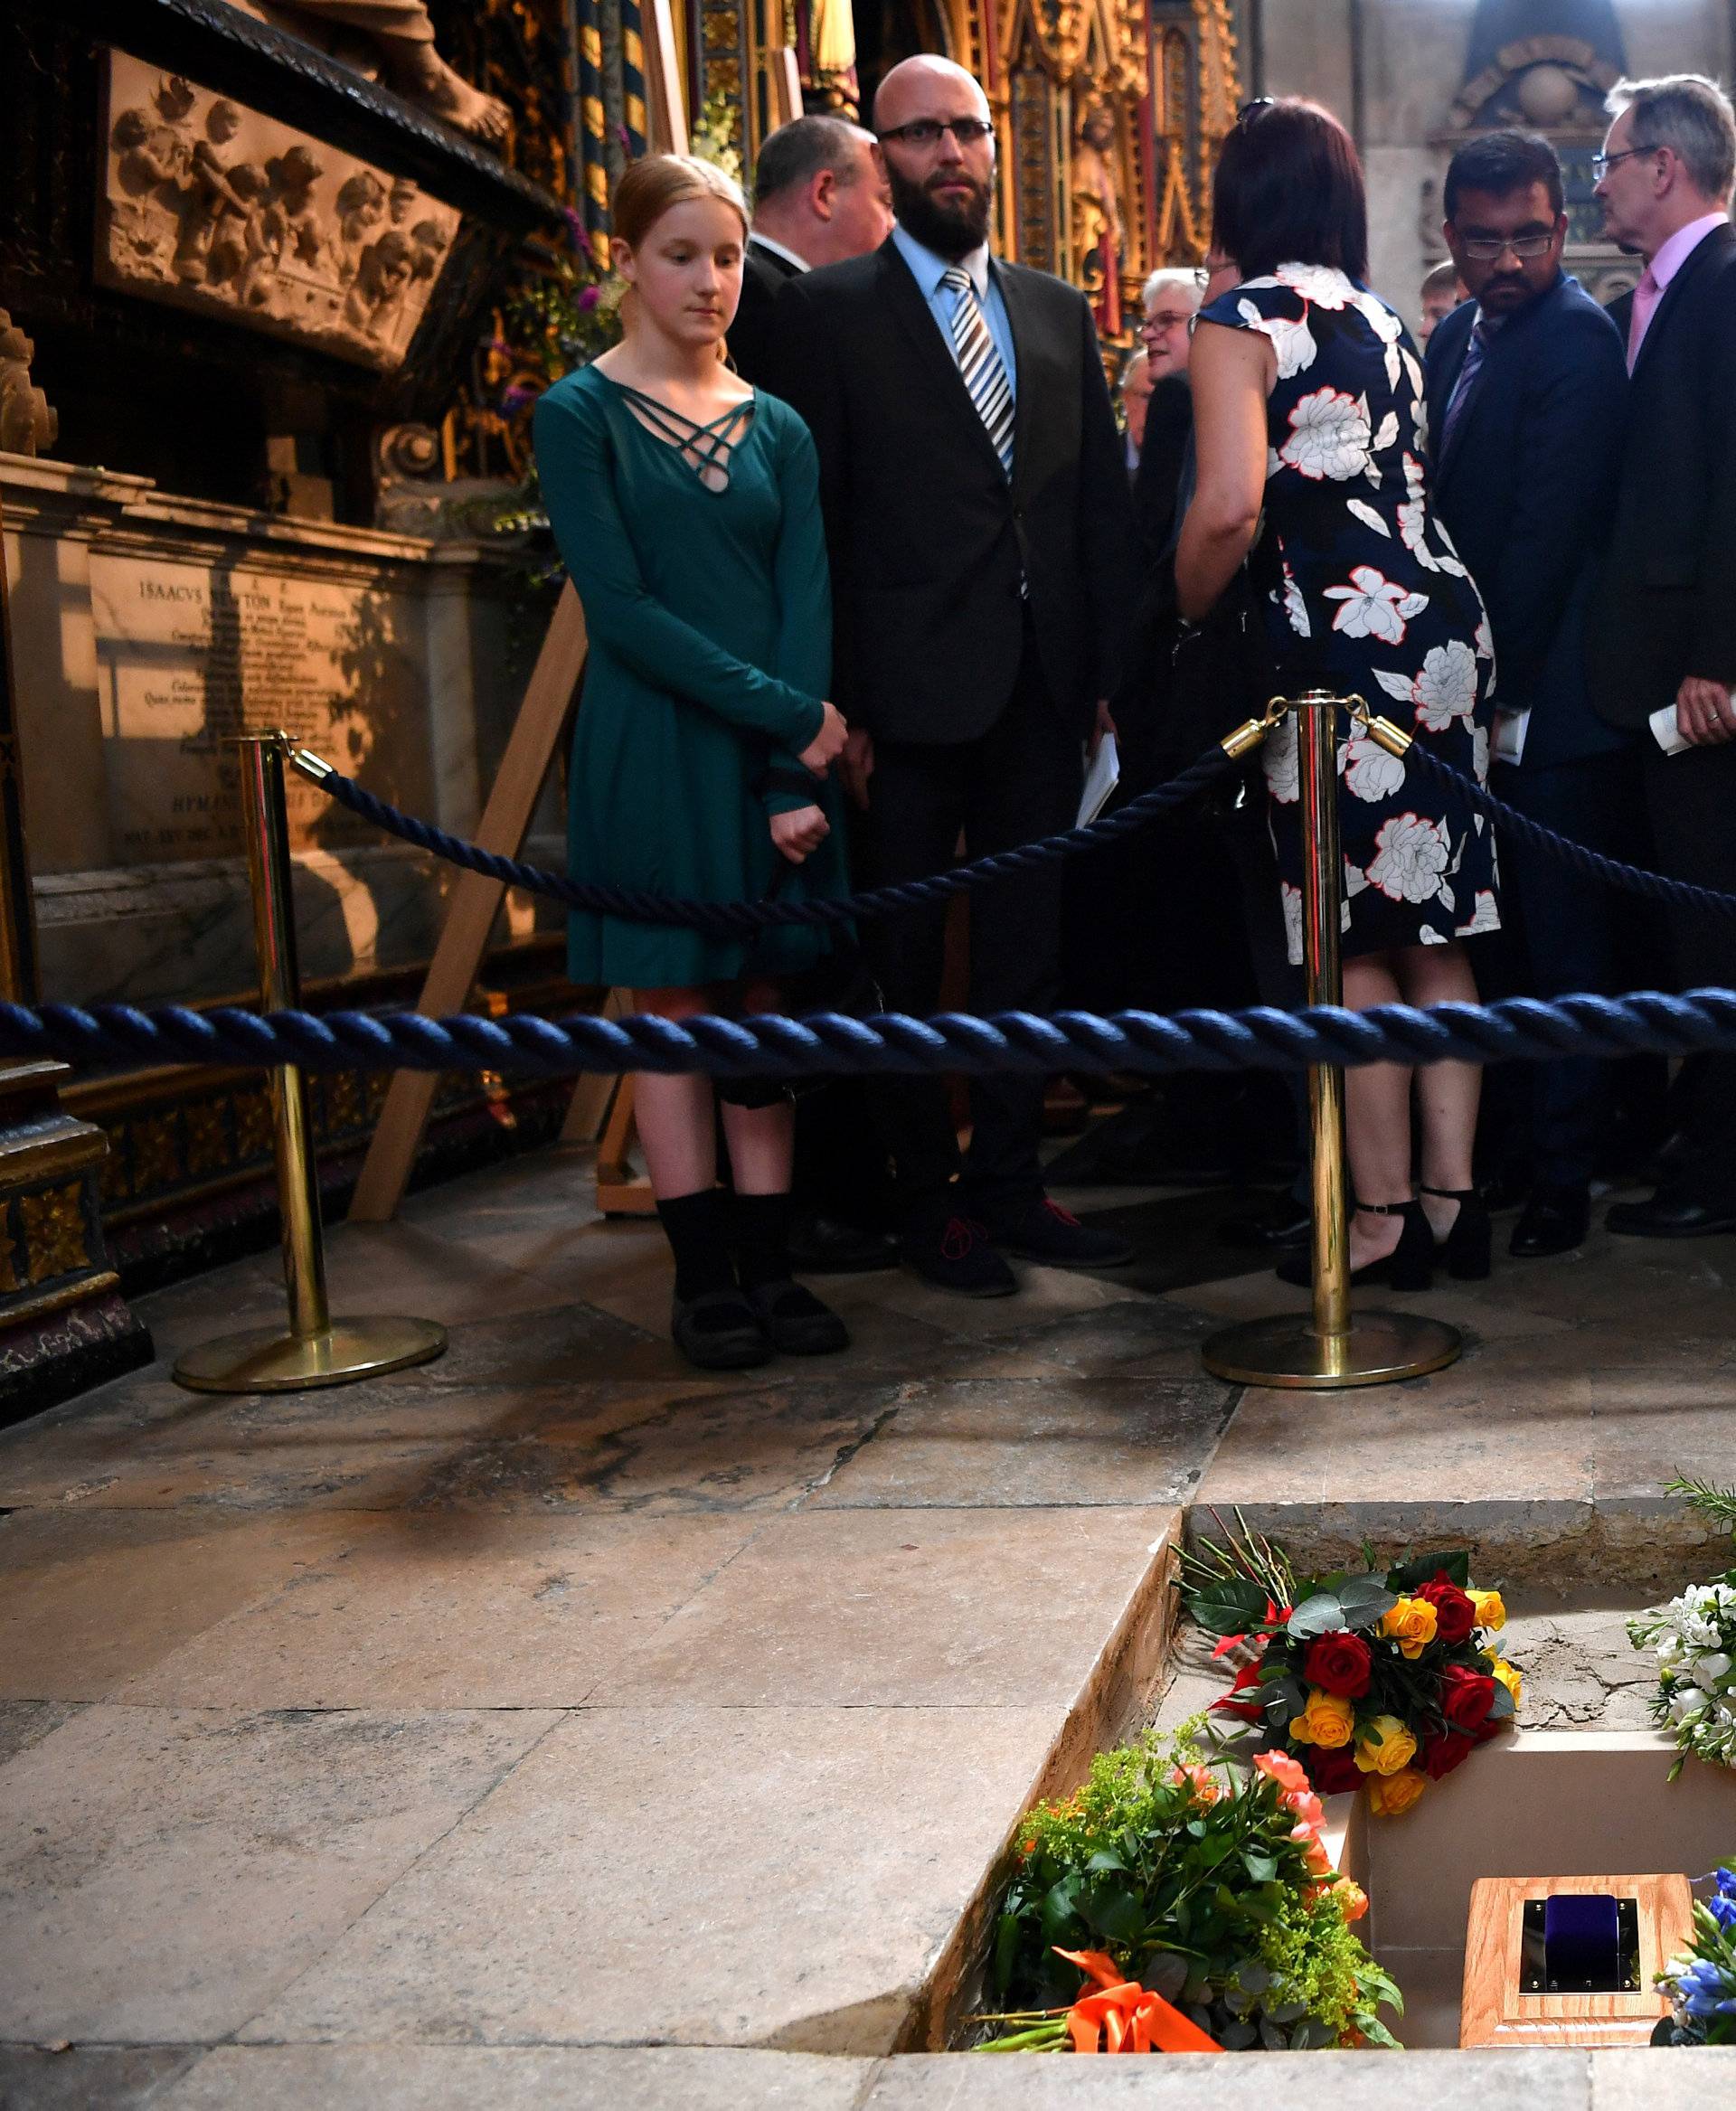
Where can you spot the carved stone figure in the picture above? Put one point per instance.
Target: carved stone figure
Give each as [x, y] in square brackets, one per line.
[1097, 231]
[391, 40]
[27, 425]
[219, 207]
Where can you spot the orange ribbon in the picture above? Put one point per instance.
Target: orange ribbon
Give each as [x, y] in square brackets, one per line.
[1128, 2016]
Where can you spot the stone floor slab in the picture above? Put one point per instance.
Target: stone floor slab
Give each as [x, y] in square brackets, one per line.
[88, 1600]
[91, 2077]
[427, 2078]
[900, 1608]
[1058, 1440]
[747, 1445]
[164, 1873]
[1243, 2082]
[712, 1876]
[452, 1611]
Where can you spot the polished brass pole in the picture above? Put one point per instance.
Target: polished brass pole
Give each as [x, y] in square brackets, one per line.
[316, 1351]
[1332, 1346]
[1323, 880]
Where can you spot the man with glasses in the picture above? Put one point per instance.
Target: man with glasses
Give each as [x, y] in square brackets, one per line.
[1170, 301]
[1525, 389]
[1661, 637]
[978, 516]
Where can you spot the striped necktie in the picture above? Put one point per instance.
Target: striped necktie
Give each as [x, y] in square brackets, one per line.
[1468, 375]
[981, 366]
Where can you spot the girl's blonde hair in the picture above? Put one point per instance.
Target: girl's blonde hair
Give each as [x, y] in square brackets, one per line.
[651, 185]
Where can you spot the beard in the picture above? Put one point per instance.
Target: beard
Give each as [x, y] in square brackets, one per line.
[950, 227]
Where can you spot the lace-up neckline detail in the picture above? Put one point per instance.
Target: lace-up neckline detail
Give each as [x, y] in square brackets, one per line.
[706, 448]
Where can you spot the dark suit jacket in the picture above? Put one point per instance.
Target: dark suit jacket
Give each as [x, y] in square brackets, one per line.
[763, 276]
[1664, 605]
[1526, 490]
[928, 539]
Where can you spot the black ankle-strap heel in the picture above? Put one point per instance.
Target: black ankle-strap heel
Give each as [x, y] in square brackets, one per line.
[1411, 1264]
[1466, 1248]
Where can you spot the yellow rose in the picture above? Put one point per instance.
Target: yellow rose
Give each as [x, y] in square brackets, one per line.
[1390, 1793]
[1328, 1720]
[1411, 1624]
[1385, 1746]
[1490, 1611]
[1501, 1669]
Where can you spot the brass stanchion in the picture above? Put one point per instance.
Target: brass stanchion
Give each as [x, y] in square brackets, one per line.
[317, 1350]
[1331, 1346]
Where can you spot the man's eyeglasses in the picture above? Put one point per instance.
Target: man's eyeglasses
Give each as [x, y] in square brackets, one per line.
[1601, 164]
[1484, 249]
[928, 131]
[1165, 319]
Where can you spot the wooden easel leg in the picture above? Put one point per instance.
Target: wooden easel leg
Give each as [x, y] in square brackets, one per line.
[476, 902]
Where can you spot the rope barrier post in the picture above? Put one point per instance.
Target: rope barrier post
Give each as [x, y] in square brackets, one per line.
[317, 1351]
[1331, 1347]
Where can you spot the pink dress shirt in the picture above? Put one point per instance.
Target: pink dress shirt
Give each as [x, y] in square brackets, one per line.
[1659, 272]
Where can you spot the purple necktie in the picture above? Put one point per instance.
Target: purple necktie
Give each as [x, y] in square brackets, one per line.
[1466, 381]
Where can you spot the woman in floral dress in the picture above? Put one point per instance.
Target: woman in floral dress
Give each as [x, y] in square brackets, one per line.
[1309, 409]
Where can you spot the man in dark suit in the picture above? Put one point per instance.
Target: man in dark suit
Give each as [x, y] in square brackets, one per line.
[819, 197]
[1661, 633]
[978, 521]
[1526, 383]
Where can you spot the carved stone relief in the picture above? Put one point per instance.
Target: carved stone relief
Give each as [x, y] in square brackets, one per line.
[214, 207]
[27, 424]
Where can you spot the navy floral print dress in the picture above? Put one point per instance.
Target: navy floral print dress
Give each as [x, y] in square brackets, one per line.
[1372, 601]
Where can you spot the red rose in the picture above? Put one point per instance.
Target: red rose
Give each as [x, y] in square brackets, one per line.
[1455, 1615]
[1465, 1697]
[1339, 1663]
[1443, 1751]
[1333, 1773]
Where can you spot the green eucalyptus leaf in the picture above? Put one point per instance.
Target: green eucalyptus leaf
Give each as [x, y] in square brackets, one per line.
[1364, 1599]
[1318, 1614]
[1503, 1708]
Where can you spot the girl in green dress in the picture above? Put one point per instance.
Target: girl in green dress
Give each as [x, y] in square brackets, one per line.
[687, 506]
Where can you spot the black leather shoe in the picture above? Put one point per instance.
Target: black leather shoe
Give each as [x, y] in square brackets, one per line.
[1409, 1266]
[1555, 1220]
[718, 1330]
[824, 1245]
[1282, 1228]
[1041, 1231]
[1670, 1217]
[954, 1252]
[796, 1322]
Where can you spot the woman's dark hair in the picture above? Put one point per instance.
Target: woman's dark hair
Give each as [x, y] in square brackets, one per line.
[1290, 190]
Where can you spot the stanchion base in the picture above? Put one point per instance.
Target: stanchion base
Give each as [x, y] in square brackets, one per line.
[1286, 1351]
[264, 1359]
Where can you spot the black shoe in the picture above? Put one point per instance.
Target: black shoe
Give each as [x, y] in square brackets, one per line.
[1667, 1216]
[1466, 1248]
[720, 1331]
[1283, 1227]
[1409, 1266]
[797, 1323]
[822, 1245]
[1041, 1231]
[1555, 1220]
[953, 1252]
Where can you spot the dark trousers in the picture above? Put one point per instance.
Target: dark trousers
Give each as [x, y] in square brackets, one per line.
[1558, 935]
[1691, 800]
[1019, 780]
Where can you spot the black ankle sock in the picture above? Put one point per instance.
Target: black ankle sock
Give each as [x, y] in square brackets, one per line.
[697, 1228]
[761, 1236]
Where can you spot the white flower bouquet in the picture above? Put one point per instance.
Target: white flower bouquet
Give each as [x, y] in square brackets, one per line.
[1692, 1640]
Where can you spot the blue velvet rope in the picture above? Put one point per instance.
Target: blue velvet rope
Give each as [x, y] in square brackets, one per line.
[828, 1044]
[1593, 864]
[734, 919]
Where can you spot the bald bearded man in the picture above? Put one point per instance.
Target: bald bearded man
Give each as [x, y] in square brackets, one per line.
[978, 525]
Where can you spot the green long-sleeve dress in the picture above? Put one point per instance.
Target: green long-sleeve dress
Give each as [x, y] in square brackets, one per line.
[710, 620]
